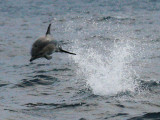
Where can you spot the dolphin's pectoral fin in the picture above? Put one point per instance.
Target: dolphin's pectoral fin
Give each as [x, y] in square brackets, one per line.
[48, 57]
[61, 50]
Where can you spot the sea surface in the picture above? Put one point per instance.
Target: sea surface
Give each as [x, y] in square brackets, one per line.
[114, 76]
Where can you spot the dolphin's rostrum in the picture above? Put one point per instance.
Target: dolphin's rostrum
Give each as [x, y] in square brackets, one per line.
[45, 46]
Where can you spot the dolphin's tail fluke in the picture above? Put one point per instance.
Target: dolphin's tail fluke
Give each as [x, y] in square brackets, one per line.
[49, 29]
[67, 52]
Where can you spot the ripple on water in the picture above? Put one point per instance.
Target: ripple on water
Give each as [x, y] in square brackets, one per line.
[149, 85]
[148, 116]
[1, 85]
[120, 20]
[119, 114]
[55, 105]
[37, 80]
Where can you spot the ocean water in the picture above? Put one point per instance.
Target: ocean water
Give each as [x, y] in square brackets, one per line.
[115, 74]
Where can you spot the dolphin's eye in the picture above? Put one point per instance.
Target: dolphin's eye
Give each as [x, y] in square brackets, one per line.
[35, 46]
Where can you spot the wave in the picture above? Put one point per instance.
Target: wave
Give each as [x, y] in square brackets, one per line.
[37, 80]
[62, 105]
[148, 116]
[122, 20]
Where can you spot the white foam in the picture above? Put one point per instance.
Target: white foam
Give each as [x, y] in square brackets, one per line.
[106, 74]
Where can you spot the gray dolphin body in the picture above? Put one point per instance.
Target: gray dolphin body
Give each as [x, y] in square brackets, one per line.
[44, 46]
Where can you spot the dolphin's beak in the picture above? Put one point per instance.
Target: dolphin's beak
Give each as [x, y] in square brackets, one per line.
[32, 58]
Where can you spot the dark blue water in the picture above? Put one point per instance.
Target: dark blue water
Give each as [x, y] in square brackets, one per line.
[115, 74]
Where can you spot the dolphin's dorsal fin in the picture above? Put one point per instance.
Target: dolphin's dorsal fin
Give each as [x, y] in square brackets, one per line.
[49, 29]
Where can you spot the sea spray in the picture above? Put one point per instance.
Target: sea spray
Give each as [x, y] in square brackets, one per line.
[107, 74]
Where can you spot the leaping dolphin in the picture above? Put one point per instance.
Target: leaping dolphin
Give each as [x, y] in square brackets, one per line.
[44, 46]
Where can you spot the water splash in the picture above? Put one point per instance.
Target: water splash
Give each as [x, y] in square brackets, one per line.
[107, 74]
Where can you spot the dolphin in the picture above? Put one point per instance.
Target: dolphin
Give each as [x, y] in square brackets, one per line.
[44, 46]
